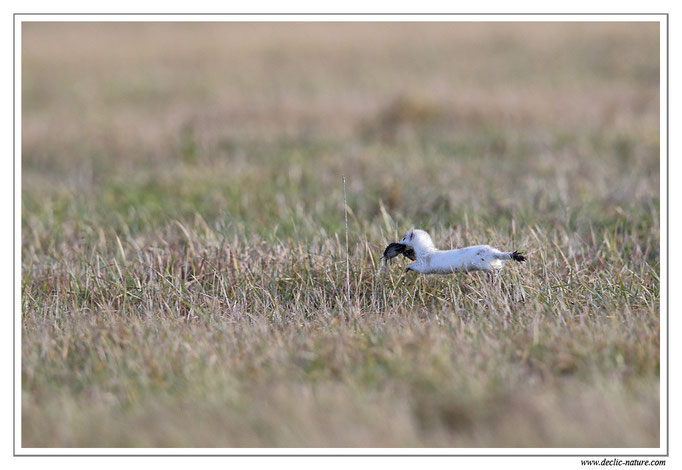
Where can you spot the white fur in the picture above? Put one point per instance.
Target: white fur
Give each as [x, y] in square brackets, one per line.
[431, 260]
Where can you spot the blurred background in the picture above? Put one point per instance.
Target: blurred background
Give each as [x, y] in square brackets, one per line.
[256, 122]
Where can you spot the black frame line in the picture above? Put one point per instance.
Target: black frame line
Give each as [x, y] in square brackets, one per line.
[16, 16]
[341, 14]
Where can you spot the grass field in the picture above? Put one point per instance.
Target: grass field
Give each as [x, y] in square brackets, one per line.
[183, 242]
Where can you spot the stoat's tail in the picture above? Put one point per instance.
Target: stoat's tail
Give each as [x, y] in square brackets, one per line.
[516, 256]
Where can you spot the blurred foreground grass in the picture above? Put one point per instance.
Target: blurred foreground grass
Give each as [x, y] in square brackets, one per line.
[183, 247]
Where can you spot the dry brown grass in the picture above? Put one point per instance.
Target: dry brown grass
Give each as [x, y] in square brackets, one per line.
[182, 235]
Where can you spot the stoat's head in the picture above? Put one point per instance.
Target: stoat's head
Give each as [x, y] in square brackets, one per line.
[419, 240]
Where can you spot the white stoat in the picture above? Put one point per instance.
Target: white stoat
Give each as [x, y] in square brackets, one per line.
[431, 260]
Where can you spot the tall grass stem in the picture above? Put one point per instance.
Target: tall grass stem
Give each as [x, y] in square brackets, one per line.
[345, 215]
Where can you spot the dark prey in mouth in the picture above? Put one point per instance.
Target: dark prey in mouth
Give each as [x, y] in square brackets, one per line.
[395, 249]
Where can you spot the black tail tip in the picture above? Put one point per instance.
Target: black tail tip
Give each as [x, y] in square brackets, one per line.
[516, 256]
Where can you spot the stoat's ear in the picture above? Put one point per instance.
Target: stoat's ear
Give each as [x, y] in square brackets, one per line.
[410, 235]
